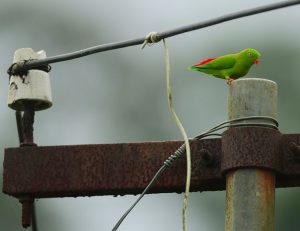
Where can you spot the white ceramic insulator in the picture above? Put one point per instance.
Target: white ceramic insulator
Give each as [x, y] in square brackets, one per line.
[34, 87]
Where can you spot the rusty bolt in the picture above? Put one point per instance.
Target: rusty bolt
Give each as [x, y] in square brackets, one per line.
[27, 203]
[295, 149]
[206, 158]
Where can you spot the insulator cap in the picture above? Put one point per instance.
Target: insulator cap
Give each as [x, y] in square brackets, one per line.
[34, 87]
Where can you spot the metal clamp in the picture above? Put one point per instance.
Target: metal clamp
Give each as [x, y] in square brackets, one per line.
[245, 147]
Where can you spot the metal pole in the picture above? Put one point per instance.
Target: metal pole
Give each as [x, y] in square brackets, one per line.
[250, 193]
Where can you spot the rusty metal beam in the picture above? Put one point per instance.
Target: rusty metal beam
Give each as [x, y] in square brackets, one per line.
[105, 169]
[119, 169]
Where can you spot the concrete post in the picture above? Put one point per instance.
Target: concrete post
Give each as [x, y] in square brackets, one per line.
[250, 193]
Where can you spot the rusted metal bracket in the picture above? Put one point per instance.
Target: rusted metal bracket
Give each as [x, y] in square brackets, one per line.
[256, 147]
[119, 169]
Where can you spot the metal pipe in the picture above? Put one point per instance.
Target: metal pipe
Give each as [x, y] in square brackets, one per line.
[28, 121]
[250, 193]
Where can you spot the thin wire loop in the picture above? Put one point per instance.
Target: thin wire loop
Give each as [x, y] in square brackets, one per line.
[21, 69]
[152, 37]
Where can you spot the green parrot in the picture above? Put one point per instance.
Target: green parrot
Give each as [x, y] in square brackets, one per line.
[229, 67]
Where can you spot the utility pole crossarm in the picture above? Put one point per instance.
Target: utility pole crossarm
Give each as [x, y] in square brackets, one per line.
[105, 169]
[119, 169]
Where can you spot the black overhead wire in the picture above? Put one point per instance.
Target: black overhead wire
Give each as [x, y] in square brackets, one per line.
[34, 64]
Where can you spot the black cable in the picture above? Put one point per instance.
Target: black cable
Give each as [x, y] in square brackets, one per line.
[156, 176]
[228, 17]
[81, 53]
[30, 64]
[168, 163]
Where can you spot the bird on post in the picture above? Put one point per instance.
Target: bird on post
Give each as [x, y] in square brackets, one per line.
[229, 67]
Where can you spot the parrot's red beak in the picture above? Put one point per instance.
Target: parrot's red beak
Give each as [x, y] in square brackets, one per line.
[256, 61]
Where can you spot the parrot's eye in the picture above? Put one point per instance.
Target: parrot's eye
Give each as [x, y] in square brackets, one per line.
[250, 54]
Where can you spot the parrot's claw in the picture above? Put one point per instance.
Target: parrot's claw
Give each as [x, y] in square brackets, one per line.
[229, 80]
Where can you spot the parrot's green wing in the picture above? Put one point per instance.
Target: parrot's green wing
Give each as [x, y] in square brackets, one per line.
[220, 63]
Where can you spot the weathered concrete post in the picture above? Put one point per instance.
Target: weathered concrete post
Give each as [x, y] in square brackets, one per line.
[250, 193]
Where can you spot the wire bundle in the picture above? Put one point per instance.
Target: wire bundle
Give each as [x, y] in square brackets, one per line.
[181, 151]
